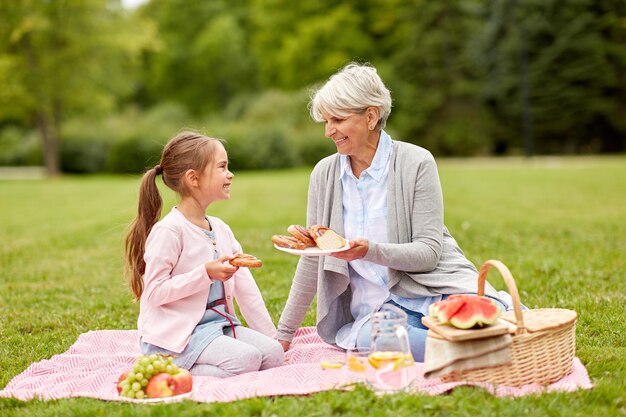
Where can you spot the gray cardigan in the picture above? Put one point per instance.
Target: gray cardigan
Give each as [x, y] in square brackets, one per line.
[423, 259]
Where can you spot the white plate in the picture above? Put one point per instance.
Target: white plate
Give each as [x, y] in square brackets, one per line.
[315, 251]
[164, 400]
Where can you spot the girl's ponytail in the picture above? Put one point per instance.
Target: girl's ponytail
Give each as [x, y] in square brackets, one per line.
[148, 213]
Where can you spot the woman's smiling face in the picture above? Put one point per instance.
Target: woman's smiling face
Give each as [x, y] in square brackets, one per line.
[350, 133]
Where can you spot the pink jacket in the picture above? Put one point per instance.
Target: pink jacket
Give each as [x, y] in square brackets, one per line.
[176, 284]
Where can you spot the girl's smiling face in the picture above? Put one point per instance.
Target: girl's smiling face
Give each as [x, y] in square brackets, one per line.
[215, 180]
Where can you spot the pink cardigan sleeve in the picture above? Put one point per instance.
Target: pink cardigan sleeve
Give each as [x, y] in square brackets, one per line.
[251, 304]
[248, 295]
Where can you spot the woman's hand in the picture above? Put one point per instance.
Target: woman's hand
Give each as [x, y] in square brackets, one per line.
[358, 249]
[220, 269]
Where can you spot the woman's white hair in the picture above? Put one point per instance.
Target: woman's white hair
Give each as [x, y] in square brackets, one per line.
[352, 90]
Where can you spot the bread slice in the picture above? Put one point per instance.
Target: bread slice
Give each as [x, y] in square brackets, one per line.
[330, 239]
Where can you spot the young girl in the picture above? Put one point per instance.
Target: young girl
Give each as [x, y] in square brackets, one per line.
[178, 269]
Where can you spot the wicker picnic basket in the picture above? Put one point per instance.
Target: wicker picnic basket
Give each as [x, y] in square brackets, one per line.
[543, 345]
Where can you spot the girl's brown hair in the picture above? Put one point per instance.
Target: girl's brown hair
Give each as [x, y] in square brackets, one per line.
[185, 151]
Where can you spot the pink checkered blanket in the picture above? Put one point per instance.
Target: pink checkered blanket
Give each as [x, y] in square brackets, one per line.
[92, 365]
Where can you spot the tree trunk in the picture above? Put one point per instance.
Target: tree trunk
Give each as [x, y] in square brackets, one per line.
[46, 124]
[50, 144]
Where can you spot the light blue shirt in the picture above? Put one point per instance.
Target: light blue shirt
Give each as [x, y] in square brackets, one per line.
[365, 215]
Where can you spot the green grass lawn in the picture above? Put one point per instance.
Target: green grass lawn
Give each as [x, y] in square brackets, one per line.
[559, 225]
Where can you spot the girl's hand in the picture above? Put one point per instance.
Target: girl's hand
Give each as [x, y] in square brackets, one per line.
[220, 269]
[358, 249]
[285, 344]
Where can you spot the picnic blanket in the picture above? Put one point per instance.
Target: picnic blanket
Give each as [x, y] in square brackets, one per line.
[92, 365]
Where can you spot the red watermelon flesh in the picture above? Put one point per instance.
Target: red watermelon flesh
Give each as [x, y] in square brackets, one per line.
[449, 308]
[476, 311]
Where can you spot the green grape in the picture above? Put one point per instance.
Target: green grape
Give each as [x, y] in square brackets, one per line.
[144, 382]
[150, 369]
[170, 360]
[138, 369]
[136, 386]
[130, 394]
[159, 366]
[138, 376]
[169, 369]
[140, 395]
[145, 361]
[153, 357]
[130, 377]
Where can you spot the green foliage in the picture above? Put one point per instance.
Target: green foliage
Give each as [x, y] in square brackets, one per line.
[133, 154]
[260, 148]
[139, 147]
[128, 142]
[467, 77]
[273, 130]
[203, 61]
[557, 223]
[436, 104]
[574, 67]
[65, 58]
[19, 147]
[307, 47]
[83, 155]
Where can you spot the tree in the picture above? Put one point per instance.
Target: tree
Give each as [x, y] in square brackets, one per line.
[434, 86]
[63, 58]
[301, 43]
[204, 58]
[575, 59]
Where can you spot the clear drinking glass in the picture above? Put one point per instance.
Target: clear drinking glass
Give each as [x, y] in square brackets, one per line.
[356, 365]
[332, 375]
[391, 365]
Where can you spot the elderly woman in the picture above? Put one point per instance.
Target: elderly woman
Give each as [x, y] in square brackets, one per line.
[385, 197]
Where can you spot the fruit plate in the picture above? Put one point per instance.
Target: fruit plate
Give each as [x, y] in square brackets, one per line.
[315, 251]
[164, 400]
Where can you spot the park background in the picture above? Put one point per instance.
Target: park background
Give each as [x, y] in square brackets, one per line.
[521, 102]
[95, 86]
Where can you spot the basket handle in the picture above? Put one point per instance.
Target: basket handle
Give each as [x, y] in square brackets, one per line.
[510, 283]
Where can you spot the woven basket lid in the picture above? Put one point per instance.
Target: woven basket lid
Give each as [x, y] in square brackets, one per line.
[543, 318]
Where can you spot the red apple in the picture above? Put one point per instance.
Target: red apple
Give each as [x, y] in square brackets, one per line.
[182, 382]
[119, 382]
[161, 385]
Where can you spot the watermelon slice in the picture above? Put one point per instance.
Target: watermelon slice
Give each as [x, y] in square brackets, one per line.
[465, 311]
[475, 312]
